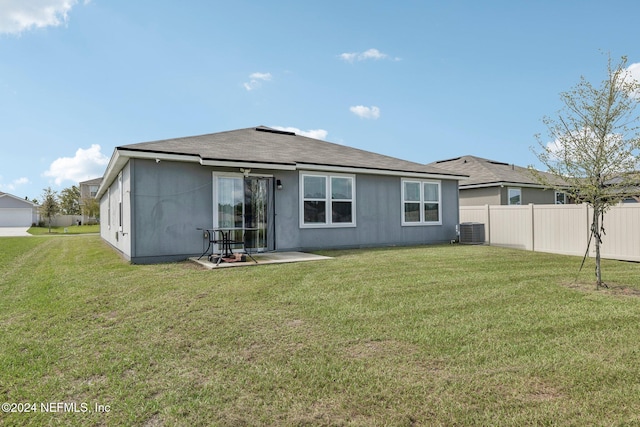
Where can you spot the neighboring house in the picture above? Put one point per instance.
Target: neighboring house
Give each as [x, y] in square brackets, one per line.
[17, 212]
[632, 192]
[287, 192]
[88, 190]
[497, 183]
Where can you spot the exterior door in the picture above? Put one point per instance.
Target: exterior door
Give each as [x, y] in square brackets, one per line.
[244, 206]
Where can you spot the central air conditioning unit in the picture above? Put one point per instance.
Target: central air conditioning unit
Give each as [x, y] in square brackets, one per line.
[472, 233]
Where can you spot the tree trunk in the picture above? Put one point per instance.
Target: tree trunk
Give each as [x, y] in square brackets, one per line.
[596, 226]
[598, 269]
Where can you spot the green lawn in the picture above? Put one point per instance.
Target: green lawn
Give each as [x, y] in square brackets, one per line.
[72, 229]
[437, 335]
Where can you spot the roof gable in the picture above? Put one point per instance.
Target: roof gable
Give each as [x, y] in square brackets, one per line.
[10, 201]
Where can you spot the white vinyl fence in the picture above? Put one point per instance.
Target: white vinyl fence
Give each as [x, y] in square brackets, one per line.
[62, 220]
[561, 229]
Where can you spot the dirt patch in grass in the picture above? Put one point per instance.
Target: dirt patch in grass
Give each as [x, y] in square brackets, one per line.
[539, 391]
[378, 349]
[610, 289]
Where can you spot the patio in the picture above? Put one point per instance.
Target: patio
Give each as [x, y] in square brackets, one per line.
[263, 258]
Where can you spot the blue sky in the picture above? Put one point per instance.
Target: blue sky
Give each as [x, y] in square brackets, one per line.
[419, 80]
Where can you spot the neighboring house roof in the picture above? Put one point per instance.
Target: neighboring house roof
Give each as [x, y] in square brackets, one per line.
[17, 200]
[627, 184]
[490, 173]
[94, 181]
[267, 148]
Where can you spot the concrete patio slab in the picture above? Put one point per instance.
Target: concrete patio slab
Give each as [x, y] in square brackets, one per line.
[263, 258]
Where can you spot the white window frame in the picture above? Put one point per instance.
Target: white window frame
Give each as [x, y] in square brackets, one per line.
[514, 189]
[564, 198]
[109, 208]
[422, 202]
[120, 203]
[216, 176]
[328, 200]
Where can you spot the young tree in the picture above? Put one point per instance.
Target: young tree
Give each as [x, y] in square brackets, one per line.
[595, 145]
[70, 201]
[49, 206]
[91, 207]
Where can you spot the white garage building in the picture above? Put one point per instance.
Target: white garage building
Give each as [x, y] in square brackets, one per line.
[17, 212]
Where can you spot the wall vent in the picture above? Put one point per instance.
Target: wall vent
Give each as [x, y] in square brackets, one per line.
[271, 130]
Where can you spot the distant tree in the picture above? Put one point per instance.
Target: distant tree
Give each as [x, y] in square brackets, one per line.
[595, 143]
[70, 201]
[91, 207]
[49, 206]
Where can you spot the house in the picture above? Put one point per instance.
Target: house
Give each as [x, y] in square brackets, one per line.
[88, 191]
[496, 183]
[283, 191]
[628, 184]
[17, 212]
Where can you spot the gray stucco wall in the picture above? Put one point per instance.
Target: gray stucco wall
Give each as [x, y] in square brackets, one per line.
[378, 217]
[538, 196]
[480, 196]
[110, 230]
[169, 201]
[500, 196]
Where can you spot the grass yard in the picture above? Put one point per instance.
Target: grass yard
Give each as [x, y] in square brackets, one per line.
[72, 229]
[437, 335]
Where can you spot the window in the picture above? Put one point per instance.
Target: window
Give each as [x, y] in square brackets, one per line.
[515, 196]
[561, 198]
[109, 208]
[93, 190]
[120, 200]
[327, 200]
[420, 202]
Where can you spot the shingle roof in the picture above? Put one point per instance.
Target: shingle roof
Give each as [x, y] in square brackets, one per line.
[270, 146]
[93, 181]
[485, 172]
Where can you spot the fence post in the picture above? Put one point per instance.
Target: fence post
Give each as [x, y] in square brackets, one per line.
[488, 229]
[533, 230]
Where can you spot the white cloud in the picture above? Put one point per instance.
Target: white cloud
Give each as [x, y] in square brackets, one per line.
[372, 112]
[14, 184]
[256, 80]
[17, 16]
[86, 164]
[261, 76]
[349, 57]
[633, 72]
[21, 181]
[363, 56]
[373, 54]
[313, 133]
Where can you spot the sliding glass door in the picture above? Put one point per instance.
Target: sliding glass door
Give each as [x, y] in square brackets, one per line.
[243, 205]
